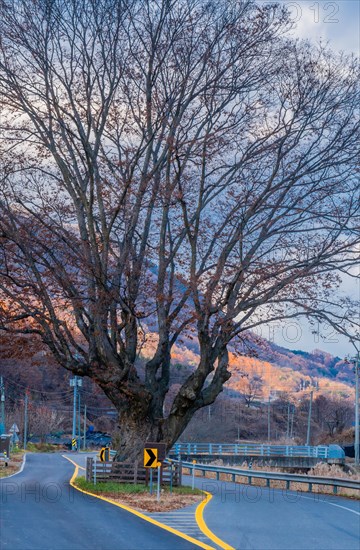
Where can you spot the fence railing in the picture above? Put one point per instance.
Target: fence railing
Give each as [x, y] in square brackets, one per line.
[251, 449]
[97, 471]
[237, 473]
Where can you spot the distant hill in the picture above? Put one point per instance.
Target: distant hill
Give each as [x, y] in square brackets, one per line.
[25, 363]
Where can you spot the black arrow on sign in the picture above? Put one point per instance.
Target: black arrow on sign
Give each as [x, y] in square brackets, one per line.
[152, 457]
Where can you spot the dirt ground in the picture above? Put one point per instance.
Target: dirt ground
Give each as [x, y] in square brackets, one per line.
[148, 503]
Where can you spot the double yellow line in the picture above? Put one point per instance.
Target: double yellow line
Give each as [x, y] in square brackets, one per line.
[198, 515]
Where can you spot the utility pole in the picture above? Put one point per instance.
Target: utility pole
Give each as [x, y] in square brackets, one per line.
[84, 444]
[288, 421]
[74, 383]
[269, 418]
[2, 397]
[356, 361]
[292, 422]
[309, 419]
[79, 420]
[25, 419]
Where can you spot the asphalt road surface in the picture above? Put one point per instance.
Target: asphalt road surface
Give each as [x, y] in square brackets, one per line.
[256, 518]
[39, 510]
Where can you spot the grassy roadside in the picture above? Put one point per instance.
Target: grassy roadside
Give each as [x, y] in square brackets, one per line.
[44, 448]
[15, 463]
[138, 496]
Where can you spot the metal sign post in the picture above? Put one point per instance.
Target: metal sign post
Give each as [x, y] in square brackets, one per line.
[158, 482]
[151, 481]
[154, 454]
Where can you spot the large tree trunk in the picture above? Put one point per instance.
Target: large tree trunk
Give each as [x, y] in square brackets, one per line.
[138, 425]
[140, 404]
[134, 432]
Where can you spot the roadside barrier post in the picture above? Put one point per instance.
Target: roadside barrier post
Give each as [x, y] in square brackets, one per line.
[193, 475]
[171, 477]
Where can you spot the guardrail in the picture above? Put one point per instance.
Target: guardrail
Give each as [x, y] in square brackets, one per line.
[235, 473]
[251, 449]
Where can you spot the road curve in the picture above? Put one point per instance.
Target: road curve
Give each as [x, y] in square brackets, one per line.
[39, 510]
[256, 518]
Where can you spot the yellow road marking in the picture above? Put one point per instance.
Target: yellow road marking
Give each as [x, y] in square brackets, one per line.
[204, 528]
[139, 514]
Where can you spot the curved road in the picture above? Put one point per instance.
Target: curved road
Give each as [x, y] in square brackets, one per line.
[256, 518]
[39, 510]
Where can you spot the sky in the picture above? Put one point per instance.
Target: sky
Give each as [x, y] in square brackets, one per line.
[335, 21]
[338, 23]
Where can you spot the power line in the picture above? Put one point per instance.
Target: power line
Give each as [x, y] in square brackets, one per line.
[11, 382]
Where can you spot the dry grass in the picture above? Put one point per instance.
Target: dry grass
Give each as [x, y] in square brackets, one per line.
[148, 503]
[321, 470]
[333, 470]
[15, 462]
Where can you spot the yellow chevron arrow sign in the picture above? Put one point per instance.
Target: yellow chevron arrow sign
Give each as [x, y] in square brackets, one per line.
[150, 458]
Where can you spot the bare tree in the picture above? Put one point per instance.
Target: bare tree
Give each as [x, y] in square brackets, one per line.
[42, 420]
[334, 414]
[251, 387]
[177, 167]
